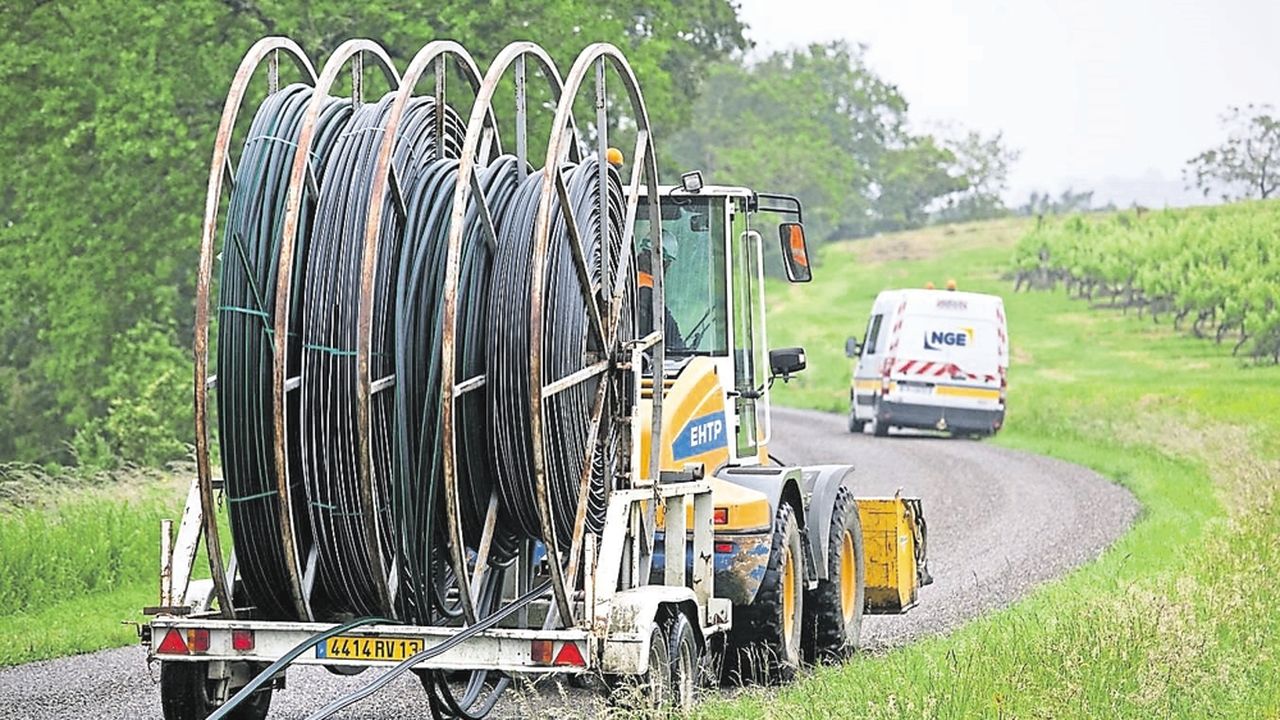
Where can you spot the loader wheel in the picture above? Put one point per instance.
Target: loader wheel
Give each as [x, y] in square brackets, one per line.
[833, 610]
[187, 693]
[766, 633]
[686, 663]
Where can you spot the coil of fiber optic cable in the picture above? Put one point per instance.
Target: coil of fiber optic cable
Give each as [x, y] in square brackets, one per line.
[419, 290]
[246, 303]
[330, 441]
[567, 347]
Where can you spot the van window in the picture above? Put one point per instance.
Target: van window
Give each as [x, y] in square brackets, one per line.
[873, 335]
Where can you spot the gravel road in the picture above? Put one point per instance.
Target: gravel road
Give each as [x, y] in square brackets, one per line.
[1000, 522]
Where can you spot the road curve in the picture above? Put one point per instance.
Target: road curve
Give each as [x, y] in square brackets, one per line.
[1000, 522]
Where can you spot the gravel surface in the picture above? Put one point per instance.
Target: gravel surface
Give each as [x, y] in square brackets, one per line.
[1000, 522]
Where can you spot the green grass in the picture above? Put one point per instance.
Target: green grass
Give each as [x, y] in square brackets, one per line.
[1180, 617]
[76, 563]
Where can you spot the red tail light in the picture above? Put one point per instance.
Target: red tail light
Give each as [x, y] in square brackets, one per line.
[721, 516]
[242, 640]
[198, 640]
[724, 548]
[540, 651]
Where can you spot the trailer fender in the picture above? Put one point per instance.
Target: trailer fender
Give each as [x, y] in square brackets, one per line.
[820, 484]
[632, 614]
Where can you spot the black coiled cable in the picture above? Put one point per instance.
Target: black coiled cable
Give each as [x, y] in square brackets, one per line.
[567, 347]
[330, 436]
[246, 305]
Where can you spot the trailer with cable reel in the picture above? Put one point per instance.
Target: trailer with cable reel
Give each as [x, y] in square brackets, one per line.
[443, 446]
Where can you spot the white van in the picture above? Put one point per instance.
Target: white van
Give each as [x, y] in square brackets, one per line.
[931, 359]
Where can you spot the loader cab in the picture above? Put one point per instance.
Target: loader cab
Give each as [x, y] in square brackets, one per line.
[716, 241]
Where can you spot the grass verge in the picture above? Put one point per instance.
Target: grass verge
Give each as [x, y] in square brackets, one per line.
[77, 561]
[1179, 618]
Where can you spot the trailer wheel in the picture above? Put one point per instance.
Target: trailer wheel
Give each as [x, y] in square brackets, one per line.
[686, 663]
[656, 683]
[766, 633]
[187, 693]
[833, 617]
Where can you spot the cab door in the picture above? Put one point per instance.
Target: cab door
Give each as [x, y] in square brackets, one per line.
[748, 346]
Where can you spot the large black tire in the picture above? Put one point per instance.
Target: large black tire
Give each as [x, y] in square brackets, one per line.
[686, 663]
[833, 610]
[855, 425]
[767, 633]
[879, 427]
[656, 683]
[187, 693]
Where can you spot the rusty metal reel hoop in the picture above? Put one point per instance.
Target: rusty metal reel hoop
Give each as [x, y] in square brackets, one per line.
[354, 52]
[480, 127]
[432, 56]
[644, 166]
[267, 49]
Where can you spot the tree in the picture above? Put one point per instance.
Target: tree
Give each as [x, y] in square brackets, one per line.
[109, 112]
[1247, 163]
[984, 161]
[816, 122]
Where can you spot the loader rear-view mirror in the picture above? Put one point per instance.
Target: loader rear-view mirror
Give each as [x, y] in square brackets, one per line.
[784, 362]
[795, 253]
[852, 347]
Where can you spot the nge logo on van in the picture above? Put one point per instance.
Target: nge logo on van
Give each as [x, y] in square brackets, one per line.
[939, 339]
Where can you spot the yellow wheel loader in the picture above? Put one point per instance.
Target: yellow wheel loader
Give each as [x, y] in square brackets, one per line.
[799, 555]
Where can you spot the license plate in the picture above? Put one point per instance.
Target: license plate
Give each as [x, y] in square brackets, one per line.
[924, 389]
[345, 647]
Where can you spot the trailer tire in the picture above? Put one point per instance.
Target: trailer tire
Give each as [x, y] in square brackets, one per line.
[686, 663]
[767, 633]
[185, 694]
[833, 610]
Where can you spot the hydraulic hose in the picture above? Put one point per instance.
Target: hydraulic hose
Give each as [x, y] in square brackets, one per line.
[246, 302]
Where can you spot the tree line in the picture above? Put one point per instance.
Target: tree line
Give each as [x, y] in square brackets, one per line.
[109, 112]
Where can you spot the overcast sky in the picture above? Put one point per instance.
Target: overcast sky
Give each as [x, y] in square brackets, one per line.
[1113, 95]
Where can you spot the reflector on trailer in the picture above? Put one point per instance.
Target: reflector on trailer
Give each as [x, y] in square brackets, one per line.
[724, 547]
[571, 655]
[720, 516]
[540, 651]
[173, 644]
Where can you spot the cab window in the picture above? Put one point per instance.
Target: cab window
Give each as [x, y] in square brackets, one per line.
[873, 335]
[694, 273]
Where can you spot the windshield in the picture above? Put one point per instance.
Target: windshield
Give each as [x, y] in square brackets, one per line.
[694, 281]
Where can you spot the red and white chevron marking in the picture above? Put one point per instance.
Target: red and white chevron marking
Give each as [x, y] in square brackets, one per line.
[924, 368]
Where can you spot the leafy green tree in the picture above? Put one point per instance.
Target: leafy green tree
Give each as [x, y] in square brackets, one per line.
[109, 111]
[1247, 163]
[984, 162]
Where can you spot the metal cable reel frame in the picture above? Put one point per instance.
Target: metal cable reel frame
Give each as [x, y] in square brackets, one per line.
[475, 145]
[595, 58]
[351, 52]
[267, 49]
[431, 57]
